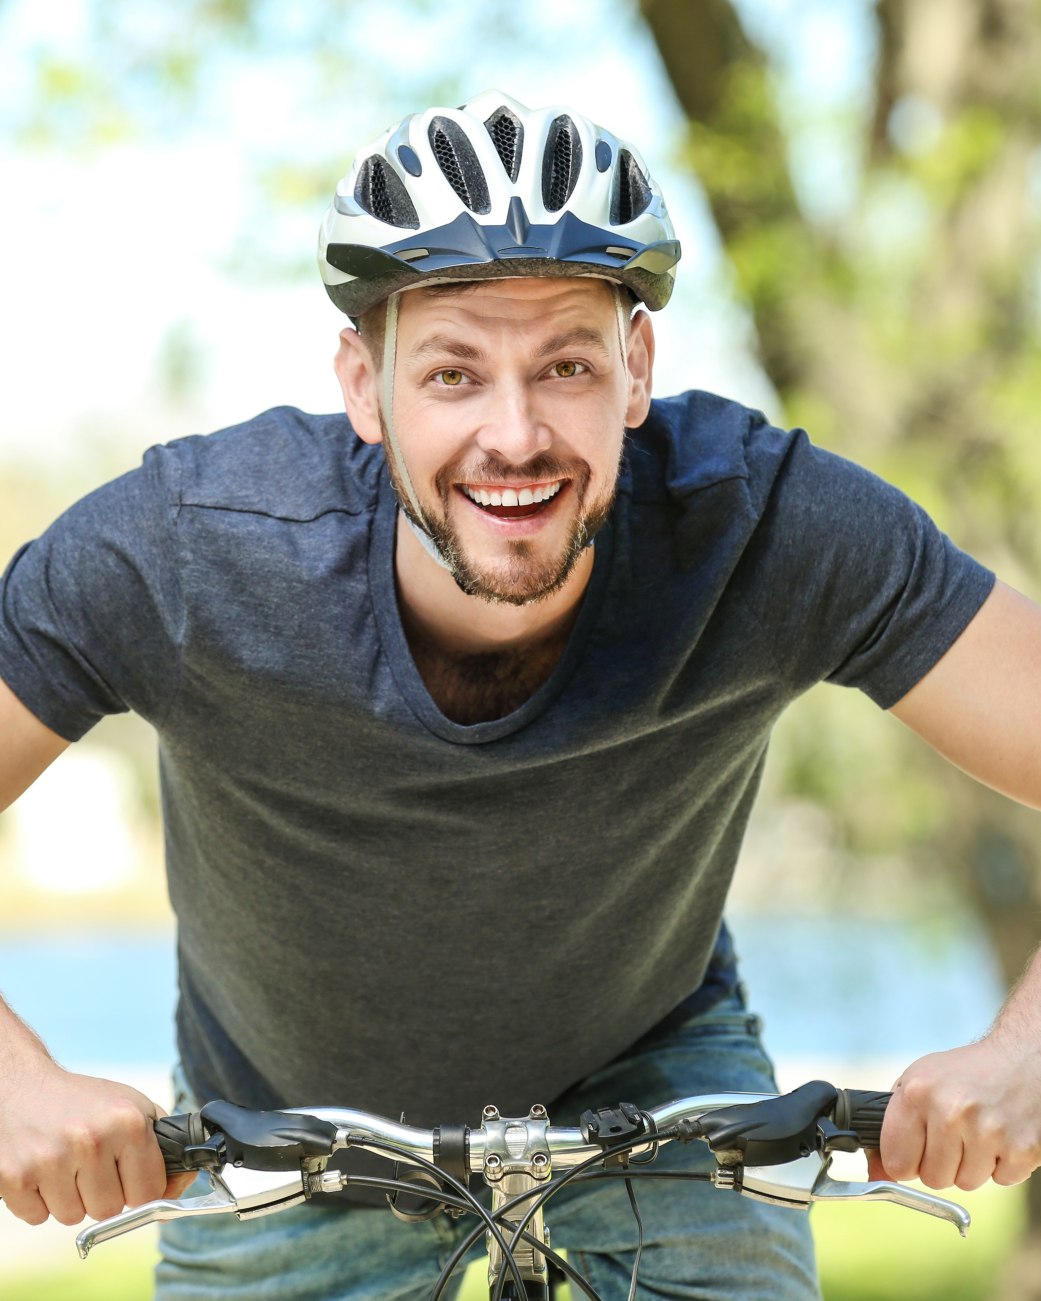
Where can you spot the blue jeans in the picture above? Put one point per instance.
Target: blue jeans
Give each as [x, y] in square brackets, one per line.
[699, 1242]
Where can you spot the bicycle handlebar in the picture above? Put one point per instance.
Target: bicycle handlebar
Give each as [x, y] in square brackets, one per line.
[762, 1129]
[773, 1148]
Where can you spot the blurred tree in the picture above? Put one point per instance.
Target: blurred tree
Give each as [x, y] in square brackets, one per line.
[901, 327]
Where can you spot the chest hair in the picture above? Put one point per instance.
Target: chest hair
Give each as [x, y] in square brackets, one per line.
[476, 688]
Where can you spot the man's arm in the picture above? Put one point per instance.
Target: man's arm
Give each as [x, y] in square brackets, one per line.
[974, 1113]
[27, 747]
[70, 1144]
[980, 706]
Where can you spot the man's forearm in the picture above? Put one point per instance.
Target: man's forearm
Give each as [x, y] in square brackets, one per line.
[1019, 1021]
[20, 1046]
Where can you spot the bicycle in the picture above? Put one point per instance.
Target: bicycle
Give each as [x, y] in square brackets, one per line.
[774, 1148]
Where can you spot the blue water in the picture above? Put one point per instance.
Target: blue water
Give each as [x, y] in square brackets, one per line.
[95, 996]
[853, 988]
[826, 987]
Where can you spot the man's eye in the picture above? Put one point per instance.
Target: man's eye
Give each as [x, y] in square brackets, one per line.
[450, 378]
[567, 369]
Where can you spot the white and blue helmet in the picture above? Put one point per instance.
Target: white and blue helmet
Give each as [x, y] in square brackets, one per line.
[494, 189]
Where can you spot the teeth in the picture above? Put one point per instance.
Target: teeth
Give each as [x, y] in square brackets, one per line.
[510, 496]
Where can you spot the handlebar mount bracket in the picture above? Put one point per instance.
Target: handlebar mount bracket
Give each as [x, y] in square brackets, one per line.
[610, 1125]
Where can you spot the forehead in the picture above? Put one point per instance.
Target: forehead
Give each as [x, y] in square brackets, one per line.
[517, 303]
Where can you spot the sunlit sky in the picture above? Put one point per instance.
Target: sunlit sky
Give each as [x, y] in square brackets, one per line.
[105, 255]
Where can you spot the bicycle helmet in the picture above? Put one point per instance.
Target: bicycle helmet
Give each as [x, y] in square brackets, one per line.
[494, 189]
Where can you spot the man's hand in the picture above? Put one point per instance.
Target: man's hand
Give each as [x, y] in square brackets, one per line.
[961, 1117]
[72, 1145]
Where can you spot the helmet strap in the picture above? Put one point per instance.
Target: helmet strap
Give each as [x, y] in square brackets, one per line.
[390, 356]
[623, 325]
[427, 542]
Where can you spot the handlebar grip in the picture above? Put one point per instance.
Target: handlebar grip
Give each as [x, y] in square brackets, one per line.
[174, 1134]
[862, 1111]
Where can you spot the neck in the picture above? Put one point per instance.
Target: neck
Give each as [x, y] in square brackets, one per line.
[432, 604]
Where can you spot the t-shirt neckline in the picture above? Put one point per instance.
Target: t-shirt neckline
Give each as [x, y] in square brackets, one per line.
[395, 644]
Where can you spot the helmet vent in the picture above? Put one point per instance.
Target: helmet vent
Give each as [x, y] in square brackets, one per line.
[561, 163]
[507, 135]
[381, 192]
[632, 192]
[458, 161]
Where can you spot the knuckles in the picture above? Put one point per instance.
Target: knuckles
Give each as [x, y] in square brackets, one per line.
[70, 1218]
[39, 1174]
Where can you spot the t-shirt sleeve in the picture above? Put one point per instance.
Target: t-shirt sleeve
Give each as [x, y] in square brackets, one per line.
[855, 580]
[91, 612]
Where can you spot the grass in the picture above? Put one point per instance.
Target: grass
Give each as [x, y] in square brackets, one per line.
[122, 1273]
[878, 1252]
[867, 1253]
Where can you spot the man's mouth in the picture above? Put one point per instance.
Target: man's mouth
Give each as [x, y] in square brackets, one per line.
[513, 502]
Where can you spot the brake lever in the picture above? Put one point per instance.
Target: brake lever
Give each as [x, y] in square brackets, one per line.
[219, 1200]
[915, 1199]
[240, 1191]
[800, 1183]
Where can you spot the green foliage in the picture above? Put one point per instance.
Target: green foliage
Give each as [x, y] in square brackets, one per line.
[964, 152]
[737, 153]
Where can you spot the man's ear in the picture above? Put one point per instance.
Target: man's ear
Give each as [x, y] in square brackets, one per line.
[359, 384]
[641, 369]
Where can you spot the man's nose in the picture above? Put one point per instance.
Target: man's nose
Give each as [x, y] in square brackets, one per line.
[513, 429]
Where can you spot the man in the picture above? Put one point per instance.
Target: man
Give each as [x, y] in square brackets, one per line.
[461, 721]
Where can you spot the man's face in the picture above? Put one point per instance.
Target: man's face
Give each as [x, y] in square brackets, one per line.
[510, 405]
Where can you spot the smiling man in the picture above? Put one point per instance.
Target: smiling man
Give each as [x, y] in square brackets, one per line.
[462, 705]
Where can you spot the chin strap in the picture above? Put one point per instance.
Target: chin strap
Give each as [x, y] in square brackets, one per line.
[390, 356]
[426, 542]
[623, 318]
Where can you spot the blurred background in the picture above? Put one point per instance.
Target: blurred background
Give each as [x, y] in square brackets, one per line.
[857, 187]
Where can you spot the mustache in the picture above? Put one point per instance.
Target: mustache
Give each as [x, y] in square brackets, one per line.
[540, 467]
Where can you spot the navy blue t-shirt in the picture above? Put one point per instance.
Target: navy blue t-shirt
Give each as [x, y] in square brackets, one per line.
[383, 908]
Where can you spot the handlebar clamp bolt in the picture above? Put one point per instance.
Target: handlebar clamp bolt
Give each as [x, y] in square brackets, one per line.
[537, 1112]
[491, 1112]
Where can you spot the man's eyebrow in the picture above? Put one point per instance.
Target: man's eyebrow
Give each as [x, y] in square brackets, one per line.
[444, 345]
[580, 336]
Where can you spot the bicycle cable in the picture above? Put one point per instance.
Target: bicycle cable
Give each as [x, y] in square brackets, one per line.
[538, 1197]
[377, 1145]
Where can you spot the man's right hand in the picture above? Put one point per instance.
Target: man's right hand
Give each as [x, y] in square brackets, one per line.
[72, 1145]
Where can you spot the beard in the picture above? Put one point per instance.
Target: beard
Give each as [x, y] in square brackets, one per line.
[524, 577]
